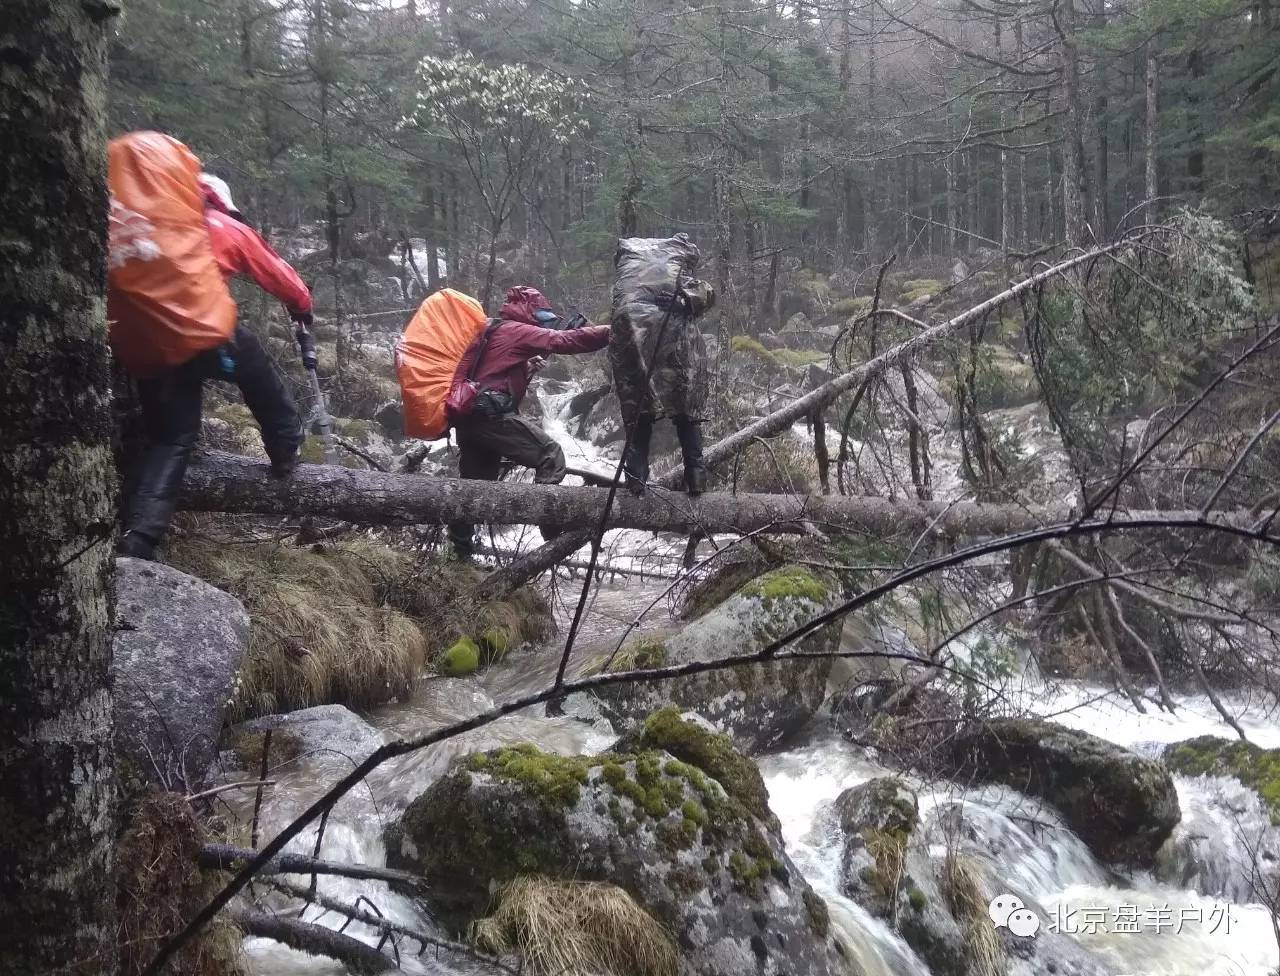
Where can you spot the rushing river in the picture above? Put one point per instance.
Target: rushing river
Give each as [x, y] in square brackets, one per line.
[1208, 924]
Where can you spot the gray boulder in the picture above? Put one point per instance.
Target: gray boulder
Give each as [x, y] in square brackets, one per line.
[324, 730]
[757, 705]
[1122, 805]
[938, 904]
[685, 833]
[177, 648]
[888, 874]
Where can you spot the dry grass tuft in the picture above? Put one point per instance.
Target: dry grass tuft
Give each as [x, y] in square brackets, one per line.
[325, 628]
[577, 928]
[963, 890]
[158, 887]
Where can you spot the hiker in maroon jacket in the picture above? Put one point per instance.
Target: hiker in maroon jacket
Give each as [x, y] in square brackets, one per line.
[512, 350]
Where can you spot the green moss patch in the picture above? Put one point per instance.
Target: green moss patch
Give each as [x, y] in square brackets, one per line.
[712, 754]
[853, 306]
[918, 288]
[787, 583]
[641, 655]
[461, 659]
[819, 914]
[777, 358]
[554, 780]
[1255, 767]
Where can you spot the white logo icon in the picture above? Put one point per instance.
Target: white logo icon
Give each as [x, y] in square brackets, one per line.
[1009, 911]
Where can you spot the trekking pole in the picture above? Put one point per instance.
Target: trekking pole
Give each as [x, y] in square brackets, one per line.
[319, 412]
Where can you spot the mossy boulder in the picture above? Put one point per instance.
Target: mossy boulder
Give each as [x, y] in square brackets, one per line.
[938, 902]
[1122, 805]
[888, 873]
[1240, 787]
[756, 705]
[687, 848]
[1255, 767]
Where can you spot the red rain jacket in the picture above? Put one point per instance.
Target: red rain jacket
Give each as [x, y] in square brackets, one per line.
[505, 365]
[240, 250]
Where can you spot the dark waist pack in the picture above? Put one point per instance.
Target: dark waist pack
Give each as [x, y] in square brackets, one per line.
[493, 403]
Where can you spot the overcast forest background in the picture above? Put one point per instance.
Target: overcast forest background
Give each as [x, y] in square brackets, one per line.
[998, 295]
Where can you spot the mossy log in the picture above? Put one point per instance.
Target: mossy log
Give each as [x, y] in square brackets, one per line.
[220, 482]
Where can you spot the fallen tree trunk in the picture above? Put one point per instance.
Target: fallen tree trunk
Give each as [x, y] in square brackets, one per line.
[225, 857]
[506, 579]
[315, 940]
[227, 483]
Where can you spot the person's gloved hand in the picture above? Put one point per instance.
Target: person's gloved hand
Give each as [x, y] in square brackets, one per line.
[536, 363]
[302, 320]
[307, 346]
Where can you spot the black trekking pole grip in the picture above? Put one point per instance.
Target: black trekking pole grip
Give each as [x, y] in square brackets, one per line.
[307, 346]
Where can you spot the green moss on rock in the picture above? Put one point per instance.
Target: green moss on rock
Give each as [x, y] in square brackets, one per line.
[461, 659]
[554, 780]
[496, 642]
[819, 914]
[787, 583]
[1255, 767]
[713, 754]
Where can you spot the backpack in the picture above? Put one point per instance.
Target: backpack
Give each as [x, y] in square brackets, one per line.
[166, 298]
[428, 356]
[466, 397]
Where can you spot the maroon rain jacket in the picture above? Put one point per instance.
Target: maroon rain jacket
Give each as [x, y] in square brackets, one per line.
[505, 365]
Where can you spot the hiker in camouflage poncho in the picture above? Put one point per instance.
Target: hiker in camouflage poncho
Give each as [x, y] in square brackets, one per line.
[656, 303]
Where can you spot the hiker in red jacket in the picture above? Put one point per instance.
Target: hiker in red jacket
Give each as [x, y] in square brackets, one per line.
[171, 402]
[512, 349]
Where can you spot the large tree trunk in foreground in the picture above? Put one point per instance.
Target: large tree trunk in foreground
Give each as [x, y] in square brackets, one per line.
[227, 483]
[57, 493]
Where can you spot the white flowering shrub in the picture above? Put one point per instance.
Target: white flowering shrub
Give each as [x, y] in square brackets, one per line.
[507, 102]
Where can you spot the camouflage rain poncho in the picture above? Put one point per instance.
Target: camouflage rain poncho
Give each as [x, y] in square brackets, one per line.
[654, 283]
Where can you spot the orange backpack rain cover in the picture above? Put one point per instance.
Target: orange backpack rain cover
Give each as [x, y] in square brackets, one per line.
[166, 297]
[427, 358]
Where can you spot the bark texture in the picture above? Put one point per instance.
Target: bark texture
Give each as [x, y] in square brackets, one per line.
[227, 483]
[57, 492]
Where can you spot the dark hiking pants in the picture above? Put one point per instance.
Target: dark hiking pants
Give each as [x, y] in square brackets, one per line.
[171, 407]
[484, 442]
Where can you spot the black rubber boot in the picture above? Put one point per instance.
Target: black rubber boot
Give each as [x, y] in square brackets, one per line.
[635, 464]
[136, 546]
[695, 469]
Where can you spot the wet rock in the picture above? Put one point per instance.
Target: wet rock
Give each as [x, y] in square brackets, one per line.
[390, 418]
[177, 648]
[1252, 765]
[700, 854]
[324, 728]
[815, 376]
[939, 904]
[757, 705]
[1122, 805]
[910, 724]
[581, 404]
[891, 877]
[1235, 783]
[1218, 862]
